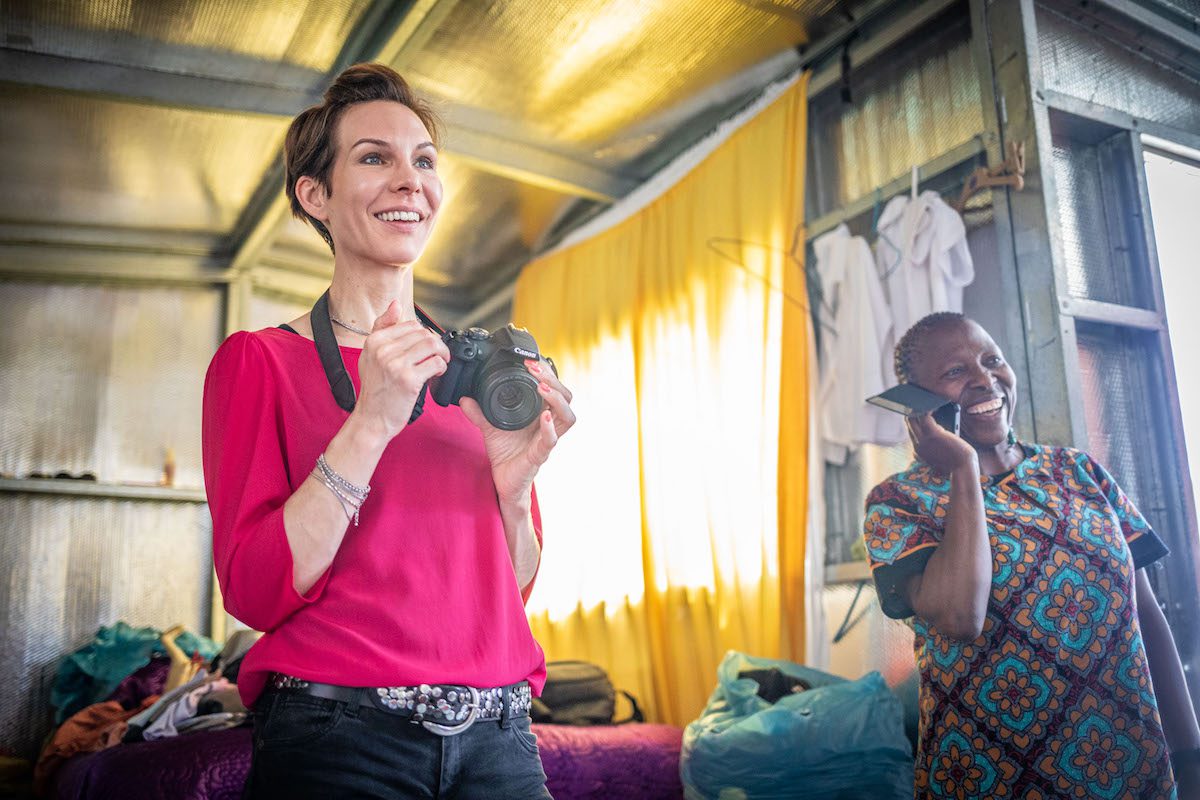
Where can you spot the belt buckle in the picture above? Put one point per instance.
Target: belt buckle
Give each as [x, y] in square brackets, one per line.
[454, 730]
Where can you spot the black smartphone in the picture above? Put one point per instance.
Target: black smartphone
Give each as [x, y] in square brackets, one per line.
[912, 401]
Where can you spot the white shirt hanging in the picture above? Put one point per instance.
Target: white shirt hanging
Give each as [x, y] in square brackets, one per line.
[923, 258]
[855, 325]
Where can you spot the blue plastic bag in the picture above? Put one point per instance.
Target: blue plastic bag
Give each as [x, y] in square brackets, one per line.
[839, 740]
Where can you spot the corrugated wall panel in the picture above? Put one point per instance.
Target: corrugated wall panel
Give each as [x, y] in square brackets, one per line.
[74, 564]
[103, 379]
[907, 109]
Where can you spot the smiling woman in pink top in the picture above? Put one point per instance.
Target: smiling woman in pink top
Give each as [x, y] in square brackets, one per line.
[384, 545]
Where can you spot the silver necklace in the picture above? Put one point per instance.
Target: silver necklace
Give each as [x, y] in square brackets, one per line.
[348, 327]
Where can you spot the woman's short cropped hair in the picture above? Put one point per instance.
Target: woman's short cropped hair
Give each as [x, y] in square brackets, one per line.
[910, 344]
[309, 148]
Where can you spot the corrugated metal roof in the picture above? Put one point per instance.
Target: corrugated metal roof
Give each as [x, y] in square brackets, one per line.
[154, 117]
[78, 160]
[306, 33]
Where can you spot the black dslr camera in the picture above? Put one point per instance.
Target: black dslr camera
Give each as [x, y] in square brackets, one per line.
[490, 368]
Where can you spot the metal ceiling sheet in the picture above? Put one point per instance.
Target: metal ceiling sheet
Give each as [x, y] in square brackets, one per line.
[307, 33]
[87, 161]
[578, 73]
[485, 219]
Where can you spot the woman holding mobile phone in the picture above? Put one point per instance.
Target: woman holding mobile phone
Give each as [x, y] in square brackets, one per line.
[1047, 668]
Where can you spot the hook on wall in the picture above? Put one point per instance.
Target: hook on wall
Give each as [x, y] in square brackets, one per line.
[1010, 173]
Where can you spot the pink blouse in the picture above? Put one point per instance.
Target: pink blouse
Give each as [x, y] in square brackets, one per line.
[423, 591]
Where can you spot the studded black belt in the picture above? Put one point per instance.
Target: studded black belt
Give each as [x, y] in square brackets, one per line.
[444, 709]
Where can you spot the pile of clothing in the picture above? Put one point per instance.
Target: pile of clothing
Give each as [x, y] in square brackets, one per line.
[140, 684]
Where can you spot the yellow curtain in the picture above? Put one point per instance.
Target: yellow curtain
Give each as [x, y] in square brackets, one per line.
[675, 510]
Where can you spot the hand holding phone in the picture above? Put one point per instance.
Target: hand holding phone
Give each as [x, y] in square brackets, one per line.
[943, 453]
[913, 401]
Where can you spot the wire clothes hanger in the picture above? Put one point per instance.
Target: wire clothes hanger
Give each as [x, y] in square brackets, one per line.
[848, 623]
[883, 237]
[718, 244]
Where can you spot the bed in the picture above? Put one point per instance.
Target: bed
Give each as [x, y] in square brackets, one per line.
[581, 763]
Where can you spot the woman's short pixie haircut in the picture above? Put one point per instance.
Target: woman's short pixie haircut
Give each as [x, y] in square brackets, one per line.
[908, 350]
[310, 146]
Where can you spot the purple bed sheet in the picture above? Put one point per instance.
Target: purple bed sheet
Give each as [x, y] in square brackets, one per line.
[619, 761]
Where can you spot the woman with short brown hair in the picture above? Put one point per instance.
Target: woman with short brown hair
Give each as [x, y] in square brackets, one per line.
[382, 544]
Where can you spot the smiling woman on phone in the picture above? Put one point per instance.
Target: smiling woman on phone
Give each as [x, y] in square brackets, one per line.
[1045, 661]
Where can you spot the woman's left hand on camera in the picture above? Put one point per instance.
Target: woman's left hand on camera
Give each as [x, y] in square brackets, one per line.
[516, 456]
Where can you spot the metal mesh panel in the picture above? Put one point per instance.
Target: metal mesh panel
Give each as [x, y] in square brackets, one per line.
[115, 379]
[846, 489]
[1082, 64]
[1191, 7]
[1115, 412]
[74, 564]
[915, 104]
[1094, 225]
[875, 642]
[1084, 234]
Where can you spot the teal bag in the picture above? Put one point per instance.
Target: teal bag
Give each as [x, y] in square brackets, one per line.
[838, 740]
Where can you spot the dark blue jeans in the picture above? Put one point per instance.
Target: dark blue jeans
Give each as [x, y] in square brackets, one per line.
[307, 747]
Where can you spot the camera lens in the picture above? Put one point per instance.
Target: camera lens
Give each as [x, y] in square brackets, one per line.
[510, 399]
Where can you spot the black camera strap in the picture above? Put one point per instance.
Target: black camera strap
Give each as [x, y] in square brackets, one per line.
[331, 357]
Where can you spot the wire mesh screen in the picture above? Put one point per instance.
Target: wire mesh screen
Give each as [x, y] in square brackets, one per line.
[74, 564]
[113, 383]
[870, 641]
[846, 489]
[912, 105]
[1189, 7]
[1110, 368]
[1100, 245]
[1083, 64]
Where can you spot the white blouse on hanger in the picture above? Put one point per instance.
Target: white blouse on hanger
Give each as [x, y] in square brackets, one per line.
[923, 258]
[855, 326]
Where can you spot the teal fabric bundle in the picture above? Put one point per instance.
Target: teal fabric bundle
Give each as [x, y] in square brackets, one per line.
[93, 672]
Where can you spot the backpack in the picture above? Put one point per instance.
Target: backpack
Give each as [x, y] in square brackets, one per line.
[579, 693]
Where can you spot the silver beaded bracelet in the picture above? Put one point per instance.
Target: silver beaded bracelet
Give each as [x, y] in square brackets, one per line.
[351, 496]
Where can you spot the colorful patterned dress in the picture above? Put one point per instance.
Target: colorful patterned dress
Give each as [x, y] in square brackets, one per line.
[1053, 699]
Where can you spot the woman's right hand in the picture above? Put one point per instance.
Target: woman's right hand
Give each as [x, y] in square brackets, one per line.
[398, 359]
[939, 448]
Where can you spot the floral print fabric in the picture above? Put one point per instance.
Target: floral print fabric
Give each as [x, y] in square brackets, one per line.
[1053, 699]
